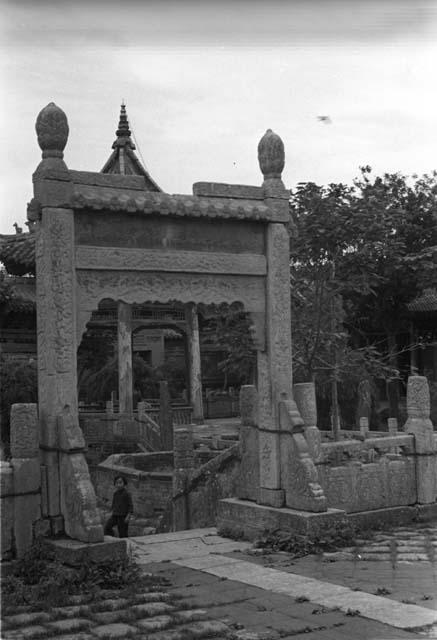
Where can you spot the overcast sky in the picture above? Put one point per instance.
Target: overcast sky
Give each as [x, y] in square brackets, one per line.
[202, 82]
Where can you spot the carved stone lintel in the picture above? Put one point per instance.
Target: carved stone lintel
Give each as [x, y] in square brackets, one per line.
[138, 287]
[133, 259]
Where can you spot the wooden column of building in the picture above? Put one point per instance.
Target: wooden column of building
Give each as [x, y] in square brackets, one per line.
[194, 367]
[125, 382]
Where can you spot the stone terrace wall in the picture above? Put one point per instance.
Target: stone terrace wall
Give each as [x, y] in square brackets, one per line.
[21, 517]
[7, 509]
[374, 474]
[150, 490]
[109, 433]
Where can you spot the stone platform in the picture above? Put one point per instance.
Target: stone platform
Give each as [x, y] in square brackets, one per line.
[250, 520]
[74, 552]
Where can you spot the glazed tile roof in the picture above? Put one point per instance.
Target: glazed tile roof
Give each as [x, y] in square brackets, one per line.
[134, 201]
[425, 303]
[17, 253]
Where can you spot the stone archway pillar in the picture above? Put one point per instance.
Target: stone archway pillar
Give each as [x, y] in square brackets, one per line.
[68, 498]
[274, 371]
[124, 339]
[194, 364]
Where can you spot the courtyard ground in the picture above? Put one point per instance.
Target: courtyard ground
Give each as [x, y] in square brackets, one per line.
[383, 588]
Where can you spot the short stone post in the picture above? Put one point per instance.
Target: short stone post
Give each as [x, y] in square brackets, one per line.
[392, 424]
[109, 407]
[305, 397]
[364, 407]
[419, 424]
[26, 474]
[248, 485]
[183, 453]
[141, 409]
[364, 427]
[165, 417]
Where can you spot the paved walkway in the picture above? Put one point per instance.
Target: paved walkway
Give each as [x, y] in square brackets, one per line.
[225, 589]
[203, 551]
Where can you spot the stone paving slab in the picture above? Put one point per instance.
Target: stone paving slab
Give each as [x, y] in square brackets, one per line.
[115, 630]
[303, 615]
[405, 581]
[325, 593]
[400, 615]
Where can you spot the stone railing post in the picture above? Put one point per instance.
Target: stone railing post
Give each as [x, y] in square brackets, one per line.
[364, 427]
[109, 407]
[419, 424]
[183, 453]
[248, 485]
[305, 397]
[165, 417]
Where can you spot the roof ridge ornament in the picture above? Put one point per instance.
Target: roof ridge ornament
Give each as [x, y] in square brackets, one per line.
[123, 130]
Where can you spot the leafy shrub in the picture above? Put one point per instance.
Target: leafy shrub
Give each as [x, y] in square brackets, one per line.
[18, 383]
[335, 537]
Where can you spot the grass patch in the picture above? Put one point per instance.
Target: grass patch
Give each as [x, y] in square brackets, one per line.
[39, 581]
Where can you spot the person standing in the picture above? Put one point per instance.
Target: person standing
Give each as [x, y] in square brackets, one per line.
[121, 509]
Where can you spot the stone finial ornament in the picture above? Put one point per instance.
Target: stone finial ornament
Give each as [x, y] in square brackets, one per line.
[52, 131]
[271, 155]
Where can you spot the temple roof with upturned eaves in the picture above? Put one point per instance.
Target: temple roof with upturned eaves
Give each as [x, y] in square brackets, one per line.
[123, 160]
[425, 303]
[17, 253]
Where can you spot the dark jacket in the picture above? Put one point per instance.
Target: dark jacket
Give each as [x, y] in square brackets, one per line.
[121, 503]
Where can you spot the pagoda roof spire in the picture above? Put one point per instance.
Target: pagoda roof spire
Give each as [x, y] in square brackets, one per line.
[123, 124]
[123, 160]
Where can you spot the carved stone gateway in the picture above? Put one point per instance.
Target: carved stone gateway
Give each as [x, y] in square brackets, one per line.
[108, 236]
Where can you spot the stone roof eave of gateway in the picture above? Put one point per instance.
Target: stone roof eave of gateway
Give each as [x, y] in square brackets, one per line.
[127, 194]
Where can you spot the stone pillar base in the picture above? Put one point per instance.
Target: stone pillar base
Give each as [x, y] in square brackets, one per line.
[74, 552]
[271, 497]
